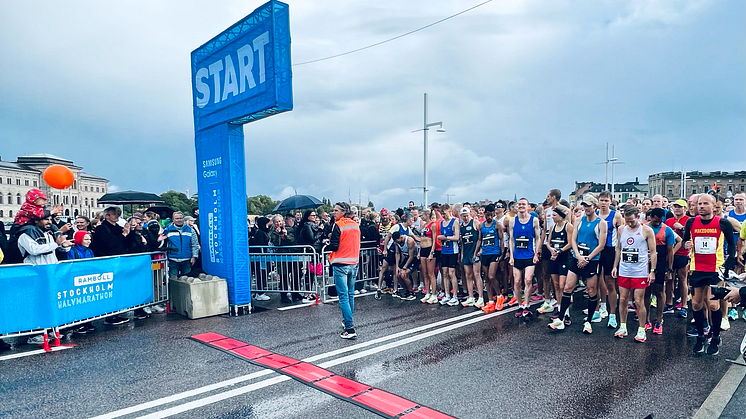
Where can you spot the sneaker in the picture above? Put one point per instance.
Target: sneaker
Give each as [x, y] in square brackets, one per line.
[557, 324]
[724, 324]
[348, 334]
[356, 292]
[489, 307]
[620, 333]
[148, 310]
[668, 309]
[536, 298]
[648, 326]
[453, 301]
[732, 314]
[35, 340]
[546, 307]
[500, 303]
[140, 314]
[446, 299]
[527, 313]
[707, 328]
[433, 299]
[692, 331]
[603, 312]
[479, 303]
[653, 301]
[378, 295]
[159, 308]
[440, 295]
[699, 346]
[408, 297]
[596, 317]
[262, 297]
[631, 307]
[585, 311]
[678, 304]
[658, 329]
[82, 330]
[425, 298]
[554, 302]
[90, 328]
[468, 302]
[682, 313]
[612, 321]
[587, 329]
[567, 320]
[641, 336]
[114, 320]
[714, 347]
[310, 298]
[513, 301]
[420, 287]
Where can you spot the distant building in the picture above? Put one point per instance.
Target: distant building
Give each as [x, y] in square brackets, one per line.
[16, 178]
[622, 191]
[668, 184]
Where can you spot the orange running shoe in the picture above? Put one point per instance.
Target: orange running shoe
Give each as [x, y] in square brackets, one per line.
[513, 301]
[489, 307]
[499, 305]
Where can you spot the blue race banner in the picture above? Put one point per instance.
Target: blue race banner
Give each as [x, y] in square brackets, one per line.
[45, 296]
[240, 76]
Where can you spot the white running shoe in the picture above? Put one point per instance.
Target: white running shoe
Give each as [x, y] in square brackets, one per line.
[547, 307]
[641, 336]
[453, 301]
[585, 311]
[468, 302]
[621, 332]
[479, 303]
[433, 299]
[425, 298]
[603, 312]
[587, 328]
[445, 300]
[724, 324]
[557, 324]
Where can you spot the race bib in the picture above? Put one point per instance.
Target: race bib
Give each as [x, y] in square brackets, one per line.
[705, 245]
[558, 244]
[468, 238]
[630, 255]
[521, 242]
[488, 240]
[584, 249]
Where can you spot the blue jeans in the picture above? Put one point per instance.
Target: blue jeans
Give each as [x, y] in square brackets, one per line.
[179, 268]
[344, 280]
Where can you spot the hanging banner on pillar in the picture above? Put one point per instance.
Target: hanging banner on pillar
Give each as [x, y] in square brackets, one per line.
[240, 76]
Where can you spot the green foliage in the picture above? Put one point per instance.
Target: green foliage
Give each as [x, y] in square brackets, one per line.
[179, 201]
[326, 206]
[260, 205]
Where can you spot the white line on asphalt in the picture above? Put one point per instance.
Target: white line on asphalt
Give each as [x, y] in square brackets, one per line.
[722, 393]
[237, 380]
[34, 352]
[265, 383]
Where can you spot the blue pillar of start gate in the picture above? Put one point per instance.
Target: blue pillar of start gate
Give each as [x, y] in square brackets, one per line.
[241, 75]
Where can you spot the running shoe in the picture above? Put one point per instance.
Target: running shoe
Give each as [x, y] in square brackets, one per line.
[469, 302]
[653, 301]
[668, 309]
[707, 328]
[621, 332]
[489, 308]
[724, 324]
[425, 298]
[445, 300]
[378, 295]
[115, 320]
[714, 347]
[440, 295]
[585, 311]
[557, 324]
[587, 329]
[433, 299]
[567, 320]
[732, 314]
[692, 331]
[513, 301]
[658, 329]
[421, 287]
[641, 336]
[648, 326]
[537, 298]
[479, 303]
[546, 307]
[699, 346]
[408, 296]
[348, 334]
[527, 314]
[682, 313]
[603, 312]
[596, 317]
[453, 301]
[500, 304]
[631, 307]
[678, 304]
[612, 321]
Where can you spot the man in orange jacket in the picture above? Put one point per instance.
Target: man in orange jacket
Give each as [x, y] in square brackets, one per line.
[345, 247]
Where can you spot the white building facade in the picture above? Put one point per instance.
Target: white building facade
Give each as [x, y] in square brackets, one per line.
[16, 178]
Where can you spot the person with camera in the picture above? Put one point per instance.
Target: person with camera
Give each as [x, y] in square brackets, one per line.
[705, 235]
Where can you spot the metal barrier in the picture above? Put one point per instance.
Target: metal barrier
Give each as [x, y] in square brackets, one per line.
[284, 269]
[159, 267]
[368, 268]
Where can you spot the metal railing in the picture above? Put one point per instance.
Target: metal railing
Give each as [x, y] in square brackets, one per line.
[368, 268]
[278, 269]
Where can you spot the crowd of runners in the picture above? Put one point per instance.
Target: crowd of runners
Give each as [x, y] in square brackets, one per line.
[647, 258]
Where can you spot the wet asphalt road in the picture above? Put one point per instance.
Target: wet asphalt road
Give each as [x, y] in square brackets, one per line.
[497, 366]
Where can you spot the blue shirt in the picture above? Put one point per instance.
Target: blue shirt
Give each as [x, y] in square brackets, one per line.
[523, 239]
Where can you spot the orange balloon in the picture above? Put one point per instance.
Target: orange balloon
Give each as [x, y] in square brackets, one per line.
[58, 176]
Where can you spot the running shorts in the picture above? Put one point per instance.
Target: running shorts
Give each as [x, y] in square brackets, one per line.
[680, 261]
[588, 271]
[488, 259]
[467, 258]
[391, 258]
[521, 264]
[559, 266]
[449, 260]
[699, 279]
[425, 252]
[607, 259]
[633, 283]
[660, 277]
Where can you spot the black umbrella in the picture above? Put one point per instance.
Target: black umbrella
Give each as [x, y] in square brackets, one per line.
[130, 197]
[162, 211]
[298, 202]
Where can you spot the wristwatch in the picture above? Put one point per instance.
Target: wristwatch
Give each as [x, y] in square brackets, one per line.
[652, 271]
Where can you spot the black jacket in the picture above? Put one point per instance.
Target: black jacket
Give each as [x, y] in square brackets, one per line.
[310, 235]
[109, 241]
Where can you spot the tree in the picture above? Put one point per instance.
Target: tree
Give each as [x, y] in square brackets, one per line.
[178, 201]
[260, 205]
[326, 206]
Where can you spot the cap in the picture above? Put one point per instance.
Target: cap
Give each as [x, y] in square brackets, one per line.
[384, 211]
[589, 199]
[465, 210]
[681, 203]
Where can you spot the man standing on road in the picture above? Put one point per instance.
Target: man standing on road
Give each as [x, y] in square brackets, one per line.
[525, 242]
[553, 198]
[666, 243]
[705, 236]
[182, 245]
[344, 257]
[607, 284]
[680, 261]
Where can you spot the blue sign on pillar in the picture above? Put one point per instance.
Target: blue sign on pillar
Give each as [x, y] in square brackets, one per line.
[239, 76]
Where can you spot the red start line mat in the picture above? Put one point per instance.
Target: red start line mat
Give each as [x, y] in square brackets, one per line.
[375, 400]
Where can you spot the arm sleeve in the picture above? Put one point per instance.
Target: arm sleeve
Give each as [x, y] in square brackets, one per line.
[688, 230]
[334, 243]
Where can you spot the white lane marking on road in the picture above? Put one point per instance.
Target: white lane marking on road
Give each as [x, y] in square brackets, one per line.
[715, 403]
[34, 352]
[237, 380]
[265, 383]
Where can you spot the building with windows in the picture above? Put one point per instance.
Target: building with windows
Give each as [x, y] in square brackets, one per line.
[669, 184]
[16, 178]
[622, 191]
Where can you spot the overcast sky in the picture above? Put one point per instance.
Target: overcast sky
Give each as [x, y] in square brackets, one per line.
[529, 92]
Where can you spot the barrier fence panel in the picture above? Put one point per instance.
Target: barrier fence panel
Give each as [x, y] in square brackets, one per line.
[368, 268]
[293, 269]
[72, 292]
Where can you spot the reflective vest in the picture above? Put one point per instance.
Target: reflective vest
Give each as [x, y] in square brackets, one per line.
[348, 252]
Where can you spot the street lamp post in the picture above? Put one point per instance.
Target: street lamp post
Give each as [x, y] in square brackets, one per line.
[425, 128]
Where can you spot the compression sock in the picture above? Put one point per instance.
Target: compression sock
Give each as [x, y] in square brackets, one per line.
[699, 320]
[716, 316]
[565, 304]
